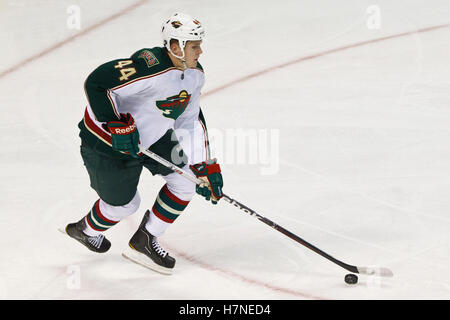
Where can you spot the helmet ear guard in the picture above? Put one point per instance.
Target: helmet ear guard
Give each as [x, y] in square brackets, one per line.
[183, 28]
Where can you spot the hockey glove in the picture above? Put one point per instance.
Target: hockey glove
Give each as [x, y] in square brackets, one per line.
[124, 135]
[209, 172]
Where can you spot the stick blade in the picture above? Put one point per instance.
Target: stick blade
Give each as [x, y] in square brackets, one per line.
[378, 271]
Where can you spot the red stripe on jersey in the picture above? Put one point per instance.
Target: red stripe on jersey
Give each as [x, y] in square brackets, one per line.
[93, 127]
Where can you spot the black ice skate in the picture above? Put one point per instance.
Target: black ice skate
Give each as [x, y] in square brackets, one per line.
[145, 250]
[97, 244]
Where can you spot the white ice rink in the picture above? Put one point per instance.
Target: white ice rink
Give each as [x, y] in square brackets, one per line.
[347, 145]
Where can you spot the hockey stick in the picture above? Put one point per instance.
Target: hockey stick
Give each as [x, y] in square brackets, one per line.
[385, 272]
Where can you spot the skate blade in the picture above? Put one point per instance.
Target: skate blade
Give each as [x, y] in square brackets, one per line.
[63, 230]
[145, 261]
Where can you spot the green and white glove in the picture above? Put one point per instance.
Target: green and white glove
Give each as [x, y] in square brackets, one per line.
[124, 135]
[209, 172]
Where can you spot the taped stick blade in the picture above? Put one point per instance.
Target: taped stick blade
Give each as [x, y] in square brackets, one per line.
[378, 271]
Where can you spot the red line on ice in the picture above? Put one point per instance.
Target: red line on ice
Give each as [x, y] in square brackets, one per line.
[244, 278]
[70, 39]
[320, 54]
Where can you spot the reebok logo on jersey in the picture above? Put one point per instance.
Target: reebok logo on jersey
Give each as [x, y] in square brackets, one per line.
[174, 106]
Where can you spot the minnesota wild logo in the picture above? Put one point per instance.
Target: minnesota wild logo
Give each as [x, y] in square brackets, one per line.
[176, 24]
[174, 106]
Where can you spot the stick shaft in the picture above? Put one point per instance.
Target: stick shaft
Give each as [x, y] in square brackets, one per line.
[290, 234]
[252, 212]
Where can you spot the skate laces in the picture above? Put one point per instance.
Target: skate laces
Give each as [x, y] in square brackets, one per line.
[96, 241]
[158, 248]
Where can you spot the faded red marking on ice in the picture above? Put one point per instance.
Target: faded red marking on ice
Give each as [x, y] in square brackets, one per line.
[227, 85]
[244, 278]
[319, 54]
[58, 45]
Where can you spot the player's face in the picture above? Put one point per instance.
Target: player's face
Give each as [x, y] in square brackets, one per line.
[192, 52]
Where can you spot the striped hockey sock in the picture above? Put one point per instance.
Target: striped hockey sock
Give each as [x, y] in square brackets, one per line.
[165, 211]
[96, 221]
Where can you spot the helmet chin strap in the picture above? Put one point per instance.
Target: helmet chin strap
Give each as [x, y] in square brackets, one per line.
[182, 58]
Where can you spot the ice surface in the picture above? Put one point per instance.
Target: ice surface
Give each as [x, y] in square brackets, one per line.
[361, 164]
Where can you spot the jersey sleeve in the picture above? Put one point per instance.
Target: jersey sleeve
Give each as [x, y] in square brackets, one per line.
[99, 87]
[118, 78]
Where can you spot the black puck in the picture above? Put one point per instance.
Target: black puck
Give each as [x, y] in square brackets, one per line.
[351, 278]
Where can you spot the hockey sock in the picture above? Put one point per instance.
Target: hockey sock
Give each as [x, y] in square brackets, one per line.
[165, 211]
[96, 222]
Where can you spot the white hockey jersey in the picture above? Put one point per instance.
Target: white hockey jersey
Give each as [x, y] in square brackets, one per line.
[153, 91]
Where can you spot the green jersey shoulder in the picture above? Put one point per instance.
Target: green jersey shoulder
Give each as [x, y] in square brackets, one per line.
[151, 61]
[142, 63]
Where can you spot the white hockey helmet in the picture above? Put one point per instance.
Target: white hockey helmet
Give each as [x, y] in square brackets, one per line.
[183, 28]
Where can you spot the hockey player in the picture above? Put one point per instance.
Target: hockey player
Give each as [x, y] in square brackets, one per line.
[146, 100]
